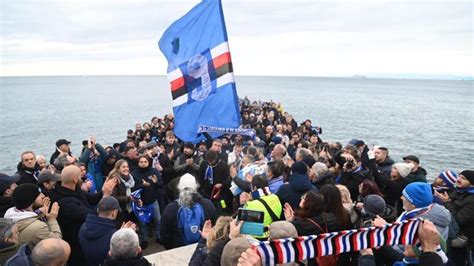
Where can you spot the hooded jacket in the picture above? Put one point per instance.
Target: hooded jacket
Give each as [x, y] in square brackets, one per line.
[418, 176]
[441, 218]
[292, 191]
[94, 238]
[27, 175]
[31, 229]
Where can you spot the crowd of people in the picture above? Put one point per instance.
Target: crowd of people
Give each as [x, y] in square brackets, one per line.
[104, 205]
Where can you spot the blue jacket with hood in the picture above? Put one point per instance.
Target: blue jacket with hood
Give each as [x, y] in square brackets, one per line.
[296, 187]
[94, 238]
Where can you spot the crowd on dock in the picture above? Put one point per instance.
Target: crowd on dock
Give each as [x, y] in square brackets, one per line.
[104, 205]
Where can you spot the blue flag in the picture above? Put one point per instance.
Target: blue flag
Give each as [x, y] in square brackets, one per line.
[200, 72]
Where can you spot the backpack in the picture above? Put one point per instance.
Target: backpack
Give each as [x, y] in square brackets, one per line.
[190, 221]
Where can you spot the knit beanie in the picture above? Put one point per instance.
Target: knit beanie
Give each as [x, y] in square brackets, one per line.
[449, 177]
[469, 175]
[299, 167]
[24, 195]
[418, 194]
[374, 204]
[403, 169]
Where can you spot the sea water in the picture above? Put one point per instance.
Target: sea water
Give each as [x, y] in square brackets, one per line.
[429, 118]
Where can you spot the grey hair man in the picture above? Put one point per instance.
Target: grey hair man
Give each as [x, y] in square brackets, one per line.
[125, 249]
[171, 234]
[51, 252]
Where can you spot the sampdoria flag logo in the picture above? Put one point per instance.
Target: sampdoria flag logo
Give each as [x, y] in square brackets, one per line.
[200, 72]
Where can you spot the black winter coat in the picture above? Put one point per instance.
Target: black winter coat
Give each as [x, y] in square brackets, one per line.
[74, 207]
[385, 167]
[137, 261]
[352, 181]
[461, 207]
[391, 188]
[305, 227]
[27, 175]
[170, 234]
[149, 193]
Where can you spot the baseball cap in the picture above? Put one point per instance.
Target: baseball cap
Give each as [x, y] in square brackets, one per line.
[62, 142]
[108, 204]
[412, 158]
[6, 181]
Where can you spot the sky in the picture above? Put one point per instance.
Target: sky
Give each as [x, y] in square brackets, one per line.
[274, 38]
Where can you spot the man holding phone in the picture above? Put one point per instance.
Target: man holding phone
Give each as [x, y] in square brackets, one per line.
[260, 203]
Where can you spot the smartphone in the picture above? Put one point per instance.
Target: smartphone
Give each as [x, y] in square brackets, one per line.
[253, 222]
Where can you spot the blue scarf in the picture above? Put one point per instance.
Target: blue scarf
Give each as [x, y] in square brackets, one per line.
[469, 190]
[209, 175]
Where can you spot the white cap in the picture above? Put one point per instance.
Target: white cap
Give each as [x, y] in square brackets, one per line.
[187, 181]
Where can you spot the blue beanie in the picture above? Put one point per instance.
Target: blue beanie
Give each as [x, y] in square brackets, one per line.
[418, 194]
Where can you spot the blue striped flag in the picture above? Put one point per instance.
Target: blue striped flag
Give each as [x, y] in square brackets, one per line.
[200, 72]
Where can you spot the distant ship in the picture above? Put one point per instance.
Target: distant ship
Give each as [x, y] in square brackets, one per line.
[357, 76]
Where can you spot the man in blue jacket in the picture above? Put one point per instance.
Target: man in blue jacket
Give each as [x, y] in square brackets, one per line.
[95, 233]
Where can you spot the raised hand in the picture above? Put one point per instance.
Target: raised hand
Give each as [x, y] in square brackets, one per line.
[429, 236]
[53, 214]
[249, 258]
[288, 211]
[206, 229]
[109, 186]
[235, 228]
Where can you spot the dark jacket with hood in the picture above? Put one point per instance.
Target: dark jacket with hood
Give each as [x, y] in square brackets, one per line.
[296, 187]
[170, 233]
[74, 205]
[418, 176]
[137, 261]
[385, 167]
[149, 193]
[353, 179]
[94, 237]
[27, 175]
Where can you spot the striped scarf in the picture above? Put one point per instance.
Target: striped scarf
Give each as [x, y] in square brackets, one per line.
[306, 247]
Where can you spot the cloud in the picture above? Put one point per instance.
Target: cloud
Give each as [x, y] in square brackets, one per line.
[266, 37]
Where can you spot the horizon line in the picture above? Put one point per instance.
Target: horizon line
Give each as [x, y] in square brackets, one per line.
[355, 76]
